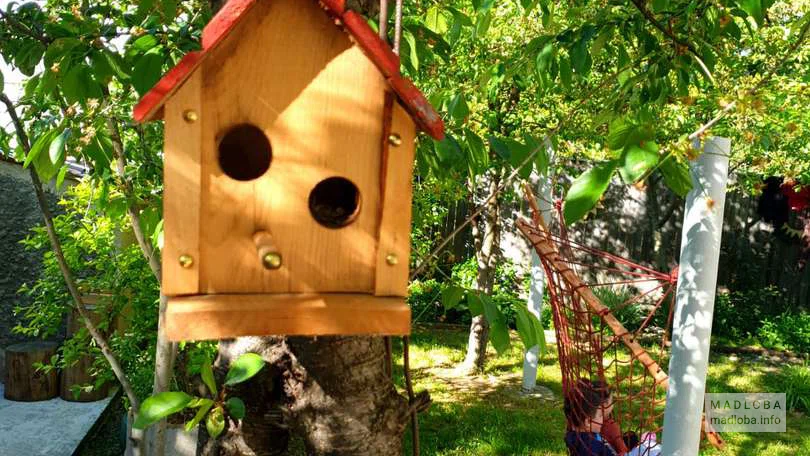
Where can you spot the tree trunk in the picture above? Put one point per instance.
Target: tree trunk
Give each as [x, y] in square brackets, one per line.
[486, 235]
[330, 394]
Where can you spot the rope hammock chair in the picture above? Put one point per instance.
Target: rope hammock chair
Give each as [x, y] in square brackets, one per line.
[588, 289]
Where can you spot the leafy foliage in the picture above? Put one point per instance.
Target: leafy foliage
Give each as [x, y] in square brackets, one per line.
[161, 405]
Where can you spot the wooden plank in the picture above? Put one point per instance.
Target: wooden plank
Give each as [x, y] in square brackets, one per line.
[395, 216]
[181, 190]
[288, 70]
[234, 315]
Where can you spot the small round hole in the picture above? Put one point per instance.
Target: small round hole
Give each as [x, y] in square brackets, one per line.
[244, 152]
[334, 202]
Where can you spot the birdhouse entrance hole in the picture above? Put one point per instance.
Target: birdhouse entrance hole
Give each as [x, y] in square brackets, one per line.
[244, 152]
[334, 202]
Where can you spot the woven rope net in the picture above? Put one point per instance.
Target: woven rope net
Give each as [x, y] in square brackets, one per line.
[611, 317]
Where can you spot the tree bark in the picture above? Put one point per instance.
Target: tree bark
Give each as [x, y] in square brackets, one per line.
[486, 235]
[330, 394]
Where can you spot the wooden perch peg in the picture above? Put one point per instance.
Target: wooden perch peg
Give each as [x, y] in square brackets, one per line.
[269, 255]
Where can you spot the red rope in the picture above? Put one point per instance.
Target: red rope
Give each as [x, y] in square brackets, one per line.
[589, 350]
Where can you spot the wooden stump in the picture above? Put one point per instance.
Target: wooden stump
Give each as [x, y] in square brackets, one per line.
[24, 382]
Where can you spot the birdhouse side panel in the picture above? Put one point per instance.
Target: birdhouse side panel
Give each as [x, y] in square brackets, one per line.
[181, 190]
[292, 74]
[394, 246]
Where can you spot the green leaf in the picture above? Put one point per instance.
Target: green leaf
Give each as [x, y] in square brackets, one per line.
[39, 145]
[169, 8]
[99, 151]
[56, 151]
[638, 161]
[207, 375]
[676, 176]
[660, 5]
[755, 9]
[518, 153]
[482, 24]
[618, 133]
[215, 422]
[541, 158]
[451, 296]
[204, 406]
[245, 367]
[601, 39]
[435, 20]
[478, 154]
[142, 45]
[542, 63]
[60, 178]
[586, 190]
[2, 82]
[59, 49]
[458, 108]
[236, 408]
[28, 57]
[498, 330]
[144, 7]
[525, 327]
[500, 147]
[483, 6]
[159, 406]
[581, 57]
[117, 63]
[147, 71]
[79, 85]
[566, 75]
[475, 304]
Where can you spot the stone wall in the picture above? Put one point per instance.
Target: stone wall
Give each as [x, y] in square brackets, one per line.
[19, 212]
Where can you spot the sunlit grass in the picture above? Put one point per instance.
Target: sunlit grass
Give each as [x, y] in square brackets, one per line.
[485, 415]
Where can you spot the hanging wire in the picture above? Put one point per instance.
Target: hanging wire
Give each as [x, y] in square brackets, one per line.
[384, 20]
[398, 27]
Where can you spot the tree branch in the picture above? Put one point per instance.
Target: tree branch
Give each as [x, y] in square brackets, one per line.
[24, 29]
[164, 349]
[753, 90]
[639, 4]
[67, 274]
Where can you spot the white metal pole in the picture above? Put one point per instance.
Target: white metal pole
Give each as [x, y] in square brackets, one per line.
[538, 279]
[694, 308]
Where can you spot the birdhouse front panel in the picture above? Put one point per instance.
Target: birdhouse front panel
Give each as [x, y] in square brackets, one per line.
[288, 159]
[314, 185]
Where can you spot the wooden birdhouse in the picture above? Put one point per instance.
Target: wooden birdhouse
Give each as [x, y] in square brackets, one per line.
[288, 158]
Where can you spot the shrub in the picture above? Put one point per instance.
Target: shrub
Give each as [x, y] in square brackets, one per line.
[738, 314]
[102, 264]
[791, 331]
[796, 383]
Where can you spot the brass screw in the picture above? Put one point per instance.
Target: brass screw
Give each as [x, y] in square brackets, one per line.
[190, 116]
[394, 139]
[272, 260]
[186, 261]
[391, 259]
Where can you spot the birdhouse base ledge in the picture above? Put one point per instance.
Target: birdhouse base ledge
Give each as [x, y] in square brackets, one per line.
[223, 316]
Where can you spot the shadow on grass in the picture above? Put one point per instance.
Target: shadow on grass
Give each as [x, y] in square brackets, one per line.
[485, 415]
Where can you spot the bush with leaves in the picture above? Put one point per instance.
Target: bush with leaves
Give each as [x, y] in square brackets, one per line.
[788, 331]
[96, 248]
[739, 314]
[214, 409]
[796, 384]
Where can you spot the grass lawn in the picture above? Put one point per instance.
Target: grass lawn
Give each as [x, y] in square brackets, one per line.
[486, 415]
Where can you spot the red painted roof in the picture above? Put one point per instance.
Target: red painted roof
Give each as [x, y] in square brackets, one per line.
[150, 106]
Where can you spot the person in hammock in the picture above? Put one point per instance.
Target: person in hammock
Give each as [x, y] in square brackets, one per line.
[593, 432]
